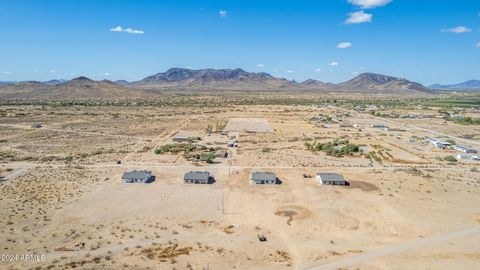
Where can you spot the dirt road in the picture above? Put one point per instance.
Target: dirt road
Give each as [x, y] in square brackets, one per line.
[400, 248]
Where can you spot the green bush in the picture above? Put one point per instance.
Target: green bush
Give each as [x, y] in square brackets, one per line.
[450, 158]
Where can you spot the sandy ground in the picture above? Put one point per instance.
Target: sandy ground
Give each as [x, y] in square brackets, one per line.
[64, 199]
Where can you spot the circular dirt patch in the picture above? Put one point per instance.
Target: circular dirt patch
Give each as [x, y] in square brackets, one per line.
[293, 212]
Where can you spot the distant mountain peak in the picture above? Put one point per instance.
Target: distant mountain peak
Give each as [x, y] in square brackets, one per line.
[382, 83]
[81, 78]
[467, 85]
[375, 78]
[184, 75]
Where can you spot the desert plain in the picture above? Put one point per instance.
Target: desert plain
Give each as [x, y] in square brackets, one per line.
[63, 197]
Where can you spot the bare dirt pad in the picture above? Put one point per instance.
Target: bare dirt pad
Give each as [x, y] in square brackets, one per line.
[363, 186]
[293, 212]
[259, 125]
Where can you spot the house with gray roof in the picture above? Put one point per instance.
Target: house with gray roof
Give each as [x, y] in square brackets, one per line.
[197, 177]
[135, 176]
[464, 149]
[263, 178]
[333, 179]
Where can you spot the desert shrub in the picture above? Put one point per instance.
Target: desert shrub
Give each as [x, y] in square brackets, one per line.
[175, 148]
[450, 158]
[336, 148]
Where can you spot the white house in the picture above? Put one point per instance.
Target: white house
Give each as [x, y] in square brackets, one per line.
[333, 179]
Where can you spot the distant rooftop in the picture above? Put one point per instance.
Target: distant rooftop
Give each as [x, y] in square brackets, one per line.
[136, 174]
[334, 177]
[197, 175]
[263, 176]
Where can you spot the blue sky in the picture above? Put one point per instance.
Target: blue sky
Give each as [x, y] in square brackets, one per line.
[430, 41]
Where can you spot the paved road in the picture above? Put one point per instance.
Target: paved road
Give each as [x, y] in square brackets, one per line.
[396, 249]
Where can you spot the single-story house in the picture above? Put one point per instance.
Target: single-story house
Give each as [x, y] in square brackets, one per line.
[331, 179]
[262, 178]
[186, 136]
[438, 144]
[475, 157]
[464, 149]
[137, 177]
[36, 125]
[197, 177]
[460, 156]
[181, 138]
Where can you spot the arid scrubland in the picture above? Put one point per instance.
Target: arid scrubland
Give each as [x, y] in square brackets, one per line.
[62, 194]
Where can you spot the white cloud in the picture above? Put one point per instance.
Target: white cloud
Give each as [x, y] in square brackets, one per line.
[260, 65]
[478, 45]
[358, 17]
[289, 71]
[344, 45]
[334, 64]
[129, 30]
[222, 13]
[458, 30]
[53, 71]
[107, 74]
[369, 3]
[317, 70]
[6, 72]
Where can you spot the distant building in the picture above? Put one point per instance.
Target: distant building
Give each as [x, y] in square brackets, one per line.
[457, 116]
[464, 149]
[36, 125]
[460, 156]
[345, 126]
[333, 179]
[262, 178]
[380, 126]
[438, 144]
[138, 177]
[395, 129]
[186, 136]
[197, 177]
[475, 157]
[181, 138]
[231, 143]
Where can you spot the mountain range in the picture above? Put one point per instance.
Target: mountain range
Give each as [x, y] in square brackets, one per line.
[181, 79]
[468, 85]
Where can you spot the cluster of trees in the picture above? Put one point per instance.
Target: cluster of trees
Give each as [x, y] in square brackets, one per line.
[190, 151]
[467, 121]
[217, 127]
[338, 148]
[175, 148]
[450, 158]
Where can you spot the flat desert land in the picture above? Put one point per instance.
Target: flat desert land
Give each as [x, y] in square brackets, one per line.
[63, 198]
